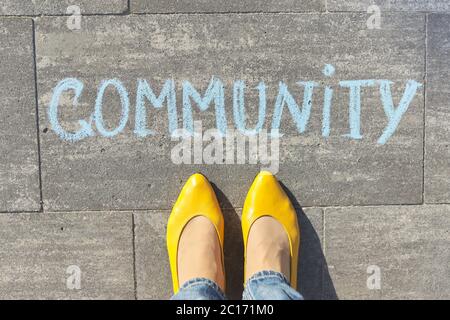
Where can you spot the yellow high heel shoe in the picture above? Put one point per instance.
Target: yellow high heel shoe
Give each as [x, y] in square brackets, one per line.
[267, 198]
[197, 198]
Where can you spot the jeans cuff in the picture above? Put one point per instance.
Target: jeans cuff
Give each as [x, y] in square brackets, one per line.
[268, 274]
[203, 282]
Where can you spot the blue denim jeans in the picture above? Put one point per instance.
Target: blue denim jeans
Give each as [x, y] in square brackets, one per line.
[264, 285]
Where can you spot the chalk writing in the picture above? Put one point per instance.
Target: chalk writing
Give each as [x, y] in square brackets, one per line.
[215, 95]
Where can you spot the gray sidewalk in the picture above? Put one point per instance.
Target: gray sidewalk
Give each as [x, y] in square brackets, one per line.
[101, 203]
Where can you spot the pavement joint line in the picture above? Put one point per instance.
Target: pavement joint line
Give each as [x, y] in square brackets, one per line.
[324, 264]
[21, 212]
[391, 11]
[41, 199]
[425, 80]
[128, 7]
[323, 231]
[165, 14]
[377, 205]
[133, 231]
[114, 211]
[216, 13]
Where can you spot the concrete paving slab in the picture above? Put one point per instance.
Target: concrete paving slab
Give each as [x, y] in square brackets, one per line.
[153, 276]
[408, 246]
[153, 271]
[43, 254]
[59, 7]
[128, 172]
[19, 166]
[390, 5]
[437, 148]
[184, 6]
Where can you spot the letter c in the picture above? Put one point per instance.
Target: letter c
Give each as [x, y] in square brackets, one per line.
[52, 112]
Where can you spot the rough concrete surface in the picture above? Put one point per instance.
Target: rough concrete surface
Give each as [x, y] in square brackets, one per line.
[39, 253]
[437, 148]
[409, 245]
[390, 5]
[172, 6]
[59, 7]
[19, 165]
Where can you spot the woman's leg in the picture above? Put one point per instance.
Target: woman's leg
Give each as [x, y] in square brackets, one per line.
[200, 267]
[268, 263]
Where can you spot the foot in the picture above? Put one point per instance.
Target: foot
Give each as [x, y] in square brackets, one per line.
[200, 253]
[268, 248]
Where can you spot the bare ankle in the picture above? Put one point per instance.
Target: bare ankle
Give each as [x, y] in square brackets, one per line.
[199, 253]
[267, 248]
